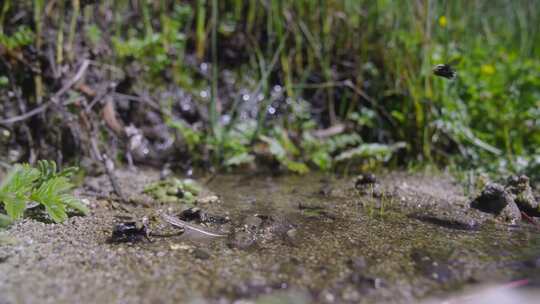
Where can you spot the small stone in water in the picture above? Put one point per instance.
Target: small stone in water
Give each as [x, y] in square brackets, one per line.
[180, 247]
[357, 263]
[210, 199]
[292, 234]
[365, 179]
[201, 254]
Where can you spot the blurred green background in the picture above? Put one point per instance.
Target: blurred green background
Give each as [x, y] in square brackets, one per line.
[306, 84]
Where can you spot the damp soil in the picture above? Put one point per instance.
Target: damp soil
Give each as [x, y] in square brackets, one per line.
[288, 239]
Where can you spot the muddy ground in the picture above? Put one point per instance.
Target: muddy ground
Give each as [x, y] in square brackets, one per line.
[288, 239]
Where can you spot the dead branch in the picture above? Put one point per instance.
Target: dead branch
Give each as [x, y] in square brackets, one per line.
[54, 98]
[109, 169]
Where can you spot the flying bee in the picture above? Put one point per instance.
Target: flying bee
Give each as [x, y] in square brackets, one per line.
[444, 70]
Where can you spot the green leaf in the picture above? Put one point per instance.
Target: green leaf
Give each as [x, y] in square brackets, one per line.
[49, 194]
[21, 37]
[56, 211]
[239, 159]
[191, 186]
[15, 189]
[286, 142]
[19, 180]
[93, 33]
[4, 81]
[188, 198]
[44, 185]
[5, 221]
[47, 168]
[342, 141]
[14, 207]
[192, 137]
[322, 159]
[296, 167]
[380, 152]
[74, 203]
[276, 149]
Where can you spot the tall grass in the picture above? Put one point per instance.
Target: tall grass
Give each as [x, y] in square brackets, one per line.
[214, 93]
[393, 46]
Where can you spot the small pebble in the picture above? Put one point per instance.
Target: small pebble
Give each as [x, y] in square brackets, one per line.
[201, 254]
[180, 247]
[211, 199]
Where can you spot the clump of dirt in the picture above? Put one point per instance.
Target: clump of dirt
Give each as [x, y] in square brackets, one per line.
[367, 184]
[521, 191]
[495, 199]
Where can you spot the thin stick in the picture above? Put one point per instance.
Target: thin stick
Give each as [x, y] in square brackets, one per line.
[148, 101]
[72, 81]
[65, 88]
[108, 164]
[25, 115]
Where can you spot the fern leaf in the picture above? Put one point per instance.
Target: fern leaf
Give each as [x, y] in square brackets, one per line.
[15, 188]
[56, 211]
[380, 152]
[44, 185]
[20, 179]
[14, 206]
[68, 172]
[296, 167]
[5, 221]
[74, 203]
[49, 194]
[275, 147]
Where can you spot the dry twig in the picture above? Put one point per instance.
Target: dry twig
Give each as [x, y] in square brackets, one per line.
[53, 99]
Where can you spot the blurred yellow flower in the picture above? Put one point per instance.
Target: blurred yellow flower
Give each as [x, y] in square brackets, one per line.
[487, 69]
[442, 21]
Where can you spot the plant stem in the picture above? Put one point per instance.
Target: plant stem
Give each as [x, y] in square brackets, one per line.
[214, 94]
[146, 18]
[200, 31]
[72, 27]
[5, 9]
[265, 71]
[38, 82]
[60, 34]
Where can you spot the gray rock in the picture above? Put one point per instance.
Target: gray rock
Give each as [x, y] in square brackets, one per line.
[365, 179]
[520, 189]
[367, 184]
[496, 200]
[292, 235]
[357, 263]
[242, 240]
[253, 222]
[201, 254]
